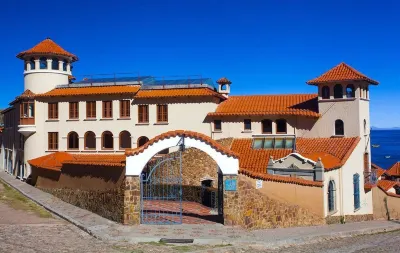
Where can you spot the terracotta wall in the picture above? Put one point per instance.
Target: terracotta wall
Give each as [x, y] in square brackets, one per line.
[255, 209]
[99, 189]
[385, 206]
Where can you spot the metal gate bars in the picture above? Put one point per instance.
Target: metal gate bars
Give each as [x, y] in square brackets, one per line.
[161, 191]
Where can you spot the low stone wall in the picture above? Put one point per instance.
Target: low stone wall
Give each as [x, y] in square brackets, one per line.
[250, 208]
[348, 218]
[108, 204]
[385, 206]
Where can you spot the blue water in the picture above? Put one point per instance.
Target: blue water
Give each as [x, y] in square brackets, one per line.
[389, 141]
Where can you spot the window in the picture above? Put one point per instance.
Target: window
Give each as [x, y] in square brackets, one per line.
[366, 92]
[91, 109]
[65, 63]
[350, 91]
[356, 185]
[338, 91]
[281, 126]
[54, 64]
[73, 140]
[273, 143]
[217, 125]
[27, 113]
[107, 109]
[125, 140]
[247, 125]
[162, 113]
[53, 110]
[124, 109]
[43, 63]
[142, 140]
[325, 92]
[53, 141]
[266, 126]
[90, 140]
[107, 140]
[143, 113]
[339, 127]
[365, 126]
[331, 196]
[73, 110]
[32, 63]
[366, 163]
[223, 87]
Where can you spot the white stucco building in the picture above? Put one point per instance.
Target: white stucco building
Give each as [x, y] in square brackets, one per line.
[322, 137]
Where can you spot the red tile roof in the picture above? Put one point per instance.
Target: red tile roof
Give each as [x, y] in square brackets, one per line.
[91, 90]
[257, 105]
[333, 152]
[394, 170]
[379, 170]
[27, 94]
[341, 72]
[183, 133]
[47, 46]
[387, 184]
[224, 80]
[184, 92]
[56, 160]
[281, 179]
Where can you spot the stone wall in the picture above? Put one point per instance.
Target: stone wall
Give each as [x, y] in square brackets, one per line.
[131, 205]
[107, 203]
[250, 208]
[348, 218]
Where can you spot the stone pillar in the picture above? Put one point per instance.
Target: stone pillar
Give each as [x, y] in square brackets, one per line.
[132, 200]
[231, 199]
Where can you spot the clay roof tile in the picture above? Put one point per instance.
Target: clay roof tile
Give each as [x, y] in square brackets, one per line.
[47, 46]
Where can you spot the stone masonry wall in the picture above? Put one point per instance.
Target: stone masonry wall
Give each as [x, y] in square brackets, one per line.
[131, 203]
[253, 210]
[107, 203]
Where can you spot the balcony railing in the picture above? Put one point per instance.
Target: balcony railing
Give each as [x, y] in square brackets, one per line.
[370, 177]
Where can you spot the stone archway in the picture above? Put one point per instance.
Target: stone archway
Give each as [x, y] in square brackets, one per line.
[136, 160]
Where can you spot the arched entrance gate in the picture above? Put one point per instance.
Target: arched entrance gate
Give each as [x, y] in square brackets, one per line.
[160, 179]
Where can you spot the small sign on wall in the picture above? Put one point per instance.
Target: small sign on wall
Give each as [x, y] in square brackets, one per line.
[259, 184]
[230, 184]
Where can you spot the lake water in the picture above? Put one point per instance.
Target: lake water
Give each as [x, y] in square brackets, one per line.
[389, 141]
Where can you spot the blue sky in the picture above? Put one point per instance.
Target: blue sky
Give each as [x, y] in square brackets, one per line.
[262, 46]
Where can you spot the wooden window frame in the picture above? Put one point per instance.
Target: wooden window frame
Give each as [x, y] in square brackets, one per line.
[102, 140]
[73, 110]
[220, 124]
[26, 120]
[90, 109]
[276, 123]
[52, 140]
[244, 124]
[120, 140]
[107, 109]
[143, 114]
[52, 110]
[68, 142]
[124, 109]
[85, 141]
[262, 126]
[162, 113]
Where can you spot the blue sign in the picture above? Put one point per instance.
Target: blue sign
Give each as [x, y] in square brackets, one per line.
[230, 184]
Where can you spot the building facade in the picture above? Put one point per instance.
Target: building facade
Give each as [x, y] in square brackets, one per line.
[322, 137]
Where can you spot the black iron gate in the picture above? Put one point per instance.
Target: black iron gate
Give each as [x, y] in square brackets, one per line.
[161, 191]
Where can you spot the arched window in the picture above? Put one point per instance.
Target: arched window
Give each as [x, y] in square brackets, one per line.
[281, 126]
[107, 140]
[90, 140]
[356, 186]
[65, 63]
[142, 140]
[73, 140]
[366, 92]
[43, 63]
[350, 91]
[331, 196]
[32, 63]
[325, 92]
[266, 125]
[223, 87]
[54, 64]
[338, 91]
[339, 127]
[125, 140]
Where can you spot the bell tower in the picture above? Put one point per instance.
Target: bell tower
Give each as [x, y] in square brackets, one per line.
[224, 86]
[46, 65]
